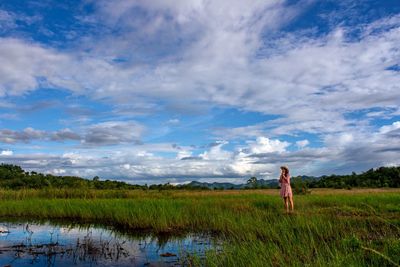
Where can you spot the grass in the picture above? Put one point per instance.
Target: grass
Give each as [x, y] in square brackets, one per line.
[329, 227]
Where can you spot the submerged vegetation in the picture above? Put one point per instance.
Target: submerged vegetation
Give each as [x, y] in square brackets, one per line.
[329, 227]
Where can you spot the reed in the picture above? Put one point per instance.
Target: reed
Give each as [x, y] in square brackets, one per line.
[332, 228]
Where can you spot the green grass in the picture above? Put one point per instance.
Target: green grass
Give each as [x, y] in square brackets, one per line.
[328, 229]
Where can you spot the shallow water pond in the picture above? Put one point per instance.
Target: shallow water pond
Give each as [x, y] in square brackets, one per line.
[46, 244]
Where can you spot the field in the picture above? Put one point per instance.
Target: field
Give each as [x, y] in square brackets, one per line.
[359, 227]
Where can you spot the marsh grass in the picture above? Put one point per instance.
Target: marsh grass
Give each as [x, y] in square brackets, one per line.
[329, 228]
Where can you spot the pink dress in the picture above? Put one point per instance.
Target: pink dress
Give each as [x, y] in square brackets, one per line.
[286, 189]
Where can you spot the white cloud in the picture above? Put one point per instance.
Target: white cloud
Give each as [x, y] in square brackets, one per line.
[182, 154]
[173, 121]
[26, 135]
[58, 171]
[302, 143]
[388, 128]
[216, 152]
[219, 65]
[344, 139]
[342, 153]
[105, 133]
[126, 166]
[266, 145]
[6, 153]
[22, 63]
[113, 132]
[213, 53]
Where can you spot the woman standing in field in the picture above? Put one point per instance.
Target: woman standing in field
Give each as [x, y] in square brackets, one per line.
[286, 189]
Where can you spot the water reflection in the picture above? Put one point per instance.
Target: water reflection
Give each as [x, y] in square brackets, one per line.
[34, 244]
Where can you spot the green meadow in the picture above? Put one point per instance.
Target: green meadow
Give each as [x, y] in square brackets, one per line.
[359, 227]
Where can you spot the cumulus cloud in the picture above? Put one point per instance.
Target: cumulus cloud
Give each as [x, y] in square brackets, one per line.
[184, 155]
[266, 145]
[113, 132]
[64, 134]
[106, 133]
[216, 152]
[23, 62]
[189, 56]
[26, 135]
[389, 128]
[218, 65]
[302, 143]
[261, 157]
[29, 134]
[6, 153]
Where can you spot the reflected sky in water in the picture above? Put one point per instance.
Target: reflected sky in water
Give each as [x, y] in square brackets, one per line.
[46, 244]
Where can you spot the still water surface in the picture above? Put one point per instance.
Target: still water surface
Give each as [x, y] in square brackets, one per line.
[46, 244]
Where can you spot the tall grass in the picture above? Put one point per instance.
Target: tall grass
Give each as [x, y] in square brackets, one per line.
[327, 229]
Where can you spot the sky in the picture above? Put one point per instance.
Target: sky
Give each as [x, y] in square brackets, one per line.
[157, 91]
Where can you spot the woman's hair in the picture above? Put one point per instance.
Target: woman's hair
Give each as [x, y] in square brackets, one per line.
[286, 169]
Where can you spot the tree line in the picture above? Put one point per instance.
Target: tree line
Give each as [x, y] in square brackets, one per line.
[14, 177]
[380, 177]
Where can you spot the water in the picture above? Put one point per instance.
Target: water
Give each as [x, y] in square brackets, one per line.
[46, 244]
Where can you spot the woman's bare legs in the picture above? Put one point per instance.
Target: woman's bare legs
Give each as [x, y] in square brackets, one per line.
[286, 200]
[291, 203]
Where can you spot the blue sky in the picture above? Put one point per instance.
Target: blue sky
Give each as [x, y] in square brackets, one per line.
[173, 91]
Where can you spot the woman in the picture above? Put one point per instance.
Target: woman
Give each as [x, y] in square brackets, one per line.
[286, 189]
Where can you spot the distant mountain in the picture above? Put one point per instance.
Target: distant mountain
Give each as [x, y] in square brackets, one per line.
[258, 184]
[215, 185]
